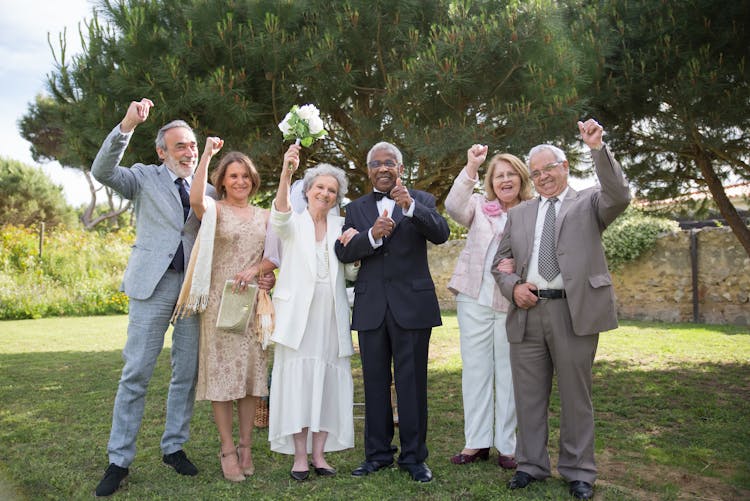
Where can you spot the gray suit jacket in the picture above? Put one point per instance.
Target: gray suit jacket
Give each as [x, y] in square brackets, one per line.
[159, 225]
[583, 217]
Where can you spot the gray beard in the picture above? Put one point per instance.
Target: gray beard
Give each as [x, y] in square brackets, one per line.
[180, 171]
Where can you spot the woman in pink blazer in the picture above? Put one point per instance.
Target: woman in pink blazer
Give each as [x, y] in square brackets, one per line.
[489, 408]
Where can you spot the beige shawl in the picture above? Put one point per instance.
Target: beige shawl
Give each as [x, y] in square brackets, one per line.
[194, 293]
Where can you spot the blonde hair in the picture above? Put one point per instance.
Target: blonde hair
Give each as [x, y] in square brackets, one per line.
[524, 193]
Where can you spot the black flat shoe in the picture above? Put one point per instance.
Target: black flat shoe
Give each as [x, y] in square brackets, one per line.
[324, 472]
[300, 476]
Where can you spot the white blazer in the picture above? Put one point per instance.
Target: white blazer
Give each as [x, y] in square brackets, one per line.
[295, 287]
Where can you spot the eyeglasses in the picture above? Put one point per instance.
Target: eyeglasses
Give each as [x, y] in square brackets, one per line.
[374, 164]
[545, 170]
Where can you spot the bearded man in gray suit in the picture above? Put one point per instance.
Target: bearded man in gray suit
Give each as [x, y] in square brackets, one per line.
[165, 232]
[562, 297]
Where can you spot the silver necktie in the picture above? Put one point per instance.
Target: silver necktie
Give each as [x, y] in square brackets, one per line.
[548, 267]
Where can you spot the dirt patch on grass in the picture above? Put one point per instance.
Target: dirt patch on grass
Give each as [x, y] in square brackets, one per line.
[647, 481]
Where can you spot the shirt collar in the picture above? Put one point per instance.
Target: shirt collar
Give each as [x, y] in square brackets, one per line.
[173, 177]
[559, 197]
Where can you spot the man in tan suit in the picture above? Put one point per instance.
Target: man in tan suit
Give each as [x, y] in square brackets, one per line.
[562, 297]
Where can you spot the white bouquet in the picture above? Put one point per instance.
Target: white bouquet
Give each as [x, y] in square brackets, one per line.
[303, 124]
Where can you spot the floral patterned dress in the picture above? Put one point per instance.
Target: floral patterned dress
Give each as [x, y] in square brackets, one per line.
[232, 365]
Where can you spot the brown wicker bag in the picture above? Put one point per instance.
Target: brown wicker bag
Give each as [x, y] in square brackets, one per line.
[261, 413]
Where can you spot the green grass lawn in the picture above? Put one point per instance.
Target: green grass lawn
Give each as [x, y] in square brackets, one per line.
[672, 409]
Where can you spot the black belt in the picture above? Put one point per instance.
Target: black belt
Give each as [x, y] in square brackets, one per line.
[549, 293]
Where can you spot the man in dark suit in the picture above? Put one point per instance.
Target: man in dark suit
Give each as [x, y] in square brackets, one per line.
[562, 297]
[395, 308]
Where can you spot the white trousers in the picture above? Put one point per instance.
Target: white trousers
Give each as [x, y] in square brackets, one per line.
[487, 385]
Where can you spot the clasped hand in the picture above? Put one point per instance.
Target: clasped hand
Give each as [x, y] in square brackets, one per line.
[347, 236]
[242, 279]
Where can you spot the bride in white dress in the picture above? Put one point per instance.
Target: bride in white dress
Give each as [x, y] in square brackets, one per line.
[311, 384]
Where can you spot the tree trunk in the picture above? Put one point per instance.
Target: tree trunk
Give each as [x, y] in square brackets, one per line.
[87, 218]
[728, 211]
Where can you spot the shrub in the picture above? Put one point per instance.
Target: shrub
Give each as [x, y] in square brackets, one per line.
[632, 234]
[78, 274]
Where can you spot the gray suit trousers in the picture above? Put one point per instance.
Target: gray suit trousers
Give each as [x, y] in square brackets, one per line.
[148, 322]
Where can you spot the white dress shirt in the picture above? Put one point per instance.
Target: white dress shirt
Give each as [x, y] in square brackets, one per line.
[533, 276]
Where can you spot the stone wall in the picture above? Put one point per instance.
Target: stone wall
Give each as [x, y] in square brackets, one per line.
[658, 285]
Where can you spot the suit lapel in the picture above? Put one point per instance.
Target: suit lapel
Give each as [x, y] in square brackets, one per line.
[564, 207]
[529, 221]
[397, 216]
[308, 235]
[172, 195]
[370, 208]
[333, 231]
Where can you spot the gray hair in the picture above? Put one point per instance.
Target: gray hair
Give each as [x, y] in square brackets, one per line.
[390, 148]
[325, 170]
[557, 152]
[171, 125]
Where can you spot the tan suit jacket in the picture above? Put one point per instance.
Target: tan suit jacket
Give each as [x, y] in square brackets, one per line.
[582, 218]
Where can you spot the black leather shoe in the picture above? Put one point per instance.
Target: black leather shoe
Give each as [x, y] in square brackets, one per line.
[520, 480]
[300, 476]
[113, 477]
[368, 467]
[179, 461]
[323, 472]
[581, 490]
[419, 472]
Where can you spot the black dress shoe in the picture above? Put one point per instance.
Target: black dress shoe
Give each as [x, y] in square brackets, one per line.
[581, 490]
[180, 462]
[368, 467]
[300, 476]
[323, 472]
[520, 480]
[419, 472]
[113, 477]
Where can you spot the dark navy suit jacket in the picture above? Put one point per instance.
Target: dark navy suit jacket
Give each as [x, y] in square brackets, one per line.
[395, 275]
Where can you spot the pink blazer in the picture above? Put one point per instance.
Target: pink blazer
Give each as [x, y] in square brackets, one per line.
[465, 207]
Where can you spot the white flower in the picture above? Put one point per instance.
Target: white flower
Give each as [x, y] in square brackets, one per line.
[303, 124]
[284, 125]
[308, 112]
[315, 124]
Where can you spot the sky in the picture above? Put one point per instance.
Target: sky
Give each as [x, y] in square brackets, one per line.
[25, 61]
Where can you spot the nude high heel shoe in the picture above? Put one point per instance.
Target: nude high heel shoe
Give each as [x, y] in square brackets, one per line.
[230, 466]
[248, 471]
